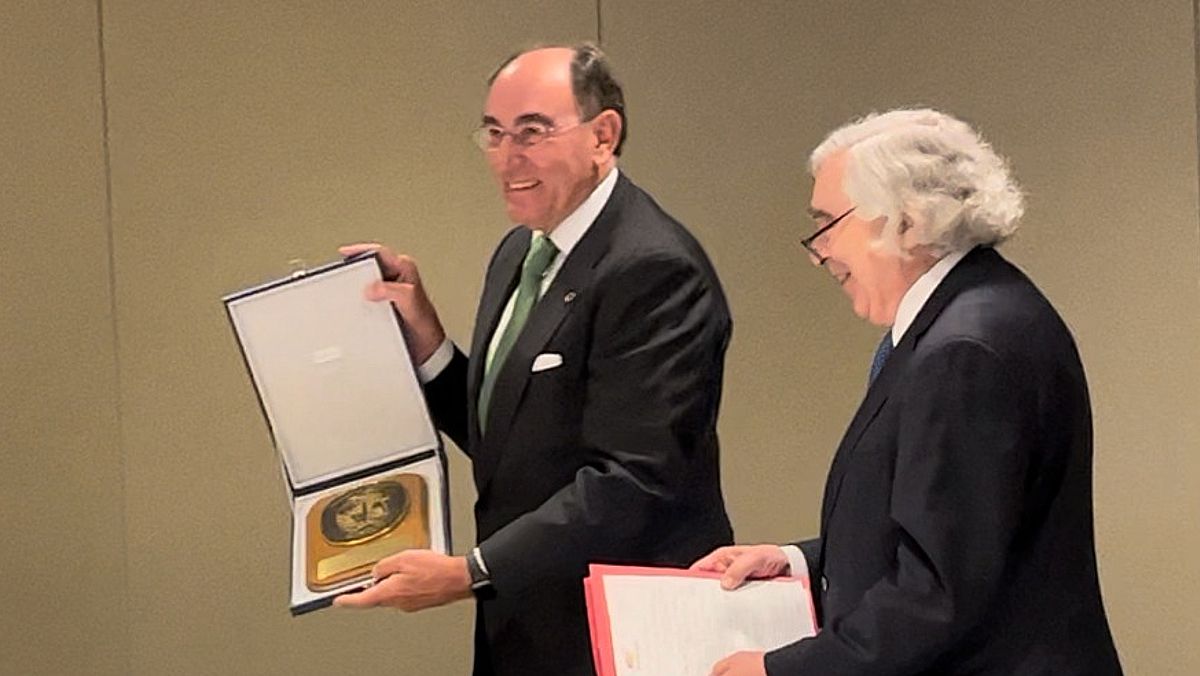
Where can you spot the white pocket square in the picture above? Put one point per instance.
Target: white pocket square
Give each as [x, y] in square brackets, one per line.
[546, 361]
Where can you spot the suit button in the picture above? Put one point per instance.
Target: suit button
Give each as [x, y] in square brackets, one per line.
[824, 583]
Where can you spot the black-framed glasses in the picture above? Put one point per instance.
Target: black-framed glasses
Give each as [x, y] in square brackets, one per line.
[807, 242]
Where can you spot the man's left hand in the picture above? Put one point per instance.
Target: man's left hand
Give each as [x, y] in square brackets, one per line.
[745, 663]
[413, 580]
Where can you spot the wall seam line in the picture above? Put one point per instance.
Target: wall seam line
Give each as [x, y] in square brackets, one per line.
[1196, 84]
[127, 652]
[600, 23]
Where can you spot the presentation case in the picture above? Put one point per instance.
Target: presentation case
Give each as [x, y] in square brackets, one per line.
[362, 462]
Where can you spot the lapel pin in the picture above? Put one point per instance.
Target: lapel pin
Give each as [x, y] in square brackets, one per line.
[569, 296]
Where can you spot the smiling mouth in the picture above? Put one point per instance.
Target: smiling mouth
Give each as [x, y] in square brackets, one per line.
[518, 186]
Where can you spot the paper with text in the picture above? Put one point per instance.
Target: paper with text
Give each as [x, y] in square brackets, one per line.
[664, 622]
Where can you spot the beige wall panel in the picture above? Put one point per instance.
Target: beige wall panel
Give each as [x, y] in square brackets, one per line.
[61, 566]
[1094, 102]
[245, 135]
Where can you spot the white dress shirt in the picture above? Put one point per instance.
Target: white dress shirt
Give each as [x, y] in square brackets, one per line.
[910, 305]
[565, 236]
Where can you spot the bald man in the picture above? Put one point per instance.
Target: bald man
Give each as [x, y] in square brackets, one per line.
[588, 404]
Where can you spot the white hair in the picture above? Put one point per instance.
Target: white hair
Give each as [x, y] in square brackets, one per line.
[930, 171]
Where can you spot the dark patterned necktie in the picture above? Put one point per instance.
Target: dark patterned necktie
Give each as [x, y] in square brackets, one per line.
[881, 355]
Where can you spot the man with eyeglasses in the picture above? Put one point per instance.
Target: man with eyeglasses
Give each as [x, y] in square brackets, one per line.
[956, 527]
[588, 403]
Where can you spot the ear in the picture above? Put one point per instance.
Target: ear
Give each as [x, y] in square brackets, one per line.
[905, 232]
[607, 130]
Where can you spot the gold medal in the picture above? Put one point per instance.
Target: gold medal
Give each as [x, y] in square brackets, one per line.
[364, 513]
[349, 532]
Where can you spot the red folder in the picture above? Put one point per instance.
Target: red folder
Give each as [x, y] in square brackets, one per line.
[599, 620]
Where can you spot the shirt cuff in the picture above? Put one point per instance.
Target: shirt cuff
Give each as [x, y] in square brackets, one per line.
[437, 362]
[796, 559]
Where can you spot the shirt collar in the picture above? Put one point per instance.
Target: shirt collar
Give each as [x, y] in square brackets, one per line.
[572, 228]
[914, 299]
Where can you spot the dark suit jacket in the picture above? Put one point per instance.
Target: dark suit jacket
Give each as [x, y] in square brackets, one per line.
[956, 531]
[611, 456]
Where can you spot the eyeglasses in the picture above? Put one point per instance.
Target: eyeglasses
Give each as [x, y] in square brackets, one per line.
[490, 136]
[808, 242]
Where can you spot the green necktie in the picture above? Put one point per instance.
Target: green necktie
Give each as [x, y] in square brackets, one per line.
[537, 260]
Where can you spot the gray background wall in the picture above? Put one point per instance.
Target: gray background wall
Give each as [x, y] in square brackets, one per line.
[159, 155]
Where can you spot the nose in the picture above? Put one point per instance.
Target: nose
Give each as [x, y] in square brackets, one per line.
[814, 256]
[501, 150]
[508, 151]
[504, 156]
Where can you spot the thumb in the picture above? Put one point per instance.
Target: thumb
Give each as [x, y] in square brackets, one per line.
[711, 561]
[398, 292]
[405, 270]
[367, 598]
[355, 249]
[737, 572]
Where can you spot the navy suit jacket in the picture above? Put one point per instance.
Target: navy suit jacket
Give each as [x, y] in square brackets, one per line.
[956, 529]
[610, 457]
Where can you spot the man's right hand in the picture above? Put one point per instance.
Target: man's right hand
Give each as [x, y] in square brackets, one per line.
[402, 287]
[742, 562]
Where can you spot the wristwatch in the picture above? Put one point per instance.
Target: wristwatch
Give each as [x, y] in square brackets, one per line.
[481, 582]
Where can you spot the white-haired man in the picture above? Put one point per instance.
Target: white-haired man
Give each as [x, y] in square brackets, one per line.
[956, 530]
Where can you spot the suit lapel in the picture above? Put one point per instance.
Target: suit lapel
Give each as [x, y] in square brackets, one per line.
[877, 395]
[968, 271]
[569, 288]
[503, 276]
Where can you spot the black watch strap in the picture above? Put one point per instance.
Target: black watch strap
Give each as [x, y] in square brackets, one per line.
[480, 581]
